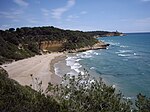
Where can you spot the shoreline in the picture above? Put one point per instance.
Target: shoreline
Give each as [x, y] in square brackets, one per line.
[40, 68]
[56, 79]
[34, 70]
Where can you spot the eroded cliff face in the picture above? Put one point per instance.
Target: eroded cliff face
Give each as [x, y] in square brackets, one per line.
[51, 46]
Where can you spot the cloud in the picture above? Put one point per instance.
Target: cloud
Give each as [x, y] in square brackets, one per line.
[46, 12]
[138, 22]
[4, 14]
[37, 2]
[32, 20]
[12, 14]
[72, 17]
[143, 22]
[145, 0]
[83, 12]
[21, 3]
[5, 26]
[58, 12]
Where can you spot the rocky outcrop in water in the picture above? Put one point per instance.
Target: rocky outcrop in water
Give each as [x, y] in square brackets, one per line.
[99, 45]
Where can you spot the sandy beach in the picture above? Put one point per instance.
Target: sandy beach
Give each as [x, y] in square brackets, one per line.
[41, 68]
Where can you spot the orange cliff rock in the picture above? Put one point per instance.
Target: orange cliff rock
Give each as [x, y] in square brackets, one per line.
[51, 46]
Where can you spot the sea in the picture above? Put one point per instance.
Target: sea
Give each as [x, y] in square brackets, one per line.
[125, 64]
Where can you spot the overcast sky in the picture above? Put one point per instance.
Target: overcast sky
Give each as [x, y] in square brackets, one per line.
[111, 15]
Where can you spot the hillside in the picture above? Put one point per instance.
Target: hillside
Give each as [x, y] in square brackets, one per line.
[17, 98]
[104, 33]
[25, 42]
[20, 43]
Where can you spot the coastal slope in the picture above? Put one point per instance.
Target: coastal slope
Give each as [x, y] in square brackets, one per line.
[24, 42]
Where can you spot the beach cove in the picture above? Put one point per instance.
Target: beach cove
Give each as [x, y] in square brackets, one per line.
[33, 70]
[100, 63]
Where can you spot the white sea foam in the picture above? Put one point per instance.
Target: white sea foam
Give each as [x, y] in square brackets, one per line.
[56, 70]
[76, 66]
[77, 70]
[128, 98]
[78, 60]
[124, 55]
[72, 61]
[82, 73]
[96, 53]
[92, 81]
[92, 68]
[114, 86]
[124, 46]
[125, 51]
[87, 54]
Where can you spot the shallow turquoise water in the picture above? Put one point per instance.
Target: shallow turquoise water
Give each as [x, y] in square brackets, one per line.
[125, 64]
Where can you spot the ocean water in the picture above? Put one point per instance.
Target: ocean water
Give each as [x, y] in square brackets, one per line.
[125, 64]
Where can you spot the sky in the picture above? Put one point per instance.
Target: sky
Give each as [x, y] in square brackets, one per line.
[86, 15]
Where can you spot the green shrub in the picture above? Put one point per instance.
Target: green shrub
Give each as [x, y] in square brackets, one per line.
[86, 94]
[76, 94]
[16, 98]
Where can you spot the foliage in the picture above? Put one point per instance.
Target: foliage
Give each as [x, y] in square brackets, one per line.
[25, 42]
[86, 94]
[142, 103]
[103, 33]
[16, 98]
[34, 48]
[76, 94]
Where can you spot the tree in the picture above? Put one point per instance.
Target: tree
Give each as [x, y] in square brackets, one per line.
[142, 103]
[80, 93]
[11, 29]
[86, 94]
[34, 47]
[17, 98]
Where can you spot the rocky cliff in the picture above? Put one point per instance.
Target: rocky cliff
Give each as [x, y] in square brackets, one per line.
[98, 45]
[51, 46]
